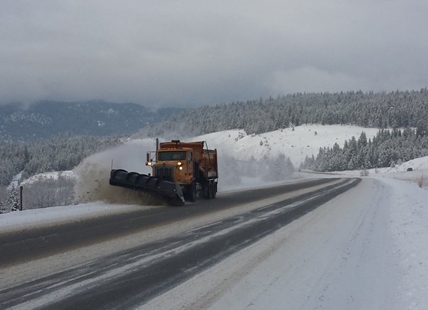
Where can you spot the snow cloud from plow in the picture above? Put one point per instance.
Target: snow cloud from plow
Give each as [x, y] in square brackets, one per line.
[94, 172]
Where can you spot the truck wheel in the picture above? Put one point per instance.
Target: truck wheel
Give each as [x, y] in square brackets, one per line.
[205, 191]
[191, 194]
[213, 190]
[210, 190]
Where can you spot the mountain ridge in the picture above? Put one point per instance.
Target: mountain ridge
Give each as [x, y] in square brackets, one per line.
[45, 119]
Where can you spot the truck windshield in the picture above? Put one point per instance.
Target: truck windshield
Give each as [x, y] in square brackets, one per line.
[163, 156]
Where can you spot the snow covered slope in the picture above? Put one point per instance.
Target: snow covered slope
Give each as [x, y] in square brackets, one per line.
[295, 143]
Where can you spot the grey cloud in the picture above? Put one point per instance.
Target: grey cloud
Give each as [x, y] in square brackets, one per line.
[188, 53]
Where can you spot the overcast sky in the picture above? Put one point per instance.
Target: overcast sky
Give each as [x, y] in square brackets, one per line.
[191, 53]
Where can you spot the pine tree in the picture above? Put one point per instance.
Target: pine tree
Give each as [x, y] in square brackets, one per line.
[279, 168]
[2, 208]
[12, 202]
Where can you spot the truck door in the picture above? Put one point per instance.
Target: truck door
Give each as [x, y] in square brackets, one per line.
[190, 168]
[195, 165]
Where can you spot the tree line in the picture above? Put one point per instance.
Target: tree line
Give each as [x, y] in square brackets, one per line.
[59, 153]
[399, 109]
[388, 148]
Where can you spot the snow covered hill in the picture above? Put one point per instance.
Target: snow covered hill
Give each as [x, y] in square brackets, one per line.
[295, 143]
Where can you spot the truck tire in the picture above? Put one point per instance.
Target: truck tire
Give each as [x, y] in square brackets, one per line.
[206, 190]
[191, 192]
[210, 191]
[213, 190]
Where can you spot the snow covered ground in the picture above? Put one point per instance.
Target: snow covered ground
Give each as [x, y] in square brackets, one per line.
[296, 143]
[54, 175]
[27, 219]
[366, 249]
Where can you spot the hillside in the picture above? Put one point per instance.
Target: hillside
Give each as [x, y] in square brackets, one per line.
[295, 143]
[399, 109]
[45, 119]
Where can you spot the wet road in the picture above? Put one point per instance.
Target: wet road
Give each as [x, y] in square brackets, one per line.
[19, 247]
[132, 277]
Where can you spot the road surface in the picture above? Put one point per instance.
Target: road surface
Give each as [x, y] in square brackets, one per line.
[132, 277]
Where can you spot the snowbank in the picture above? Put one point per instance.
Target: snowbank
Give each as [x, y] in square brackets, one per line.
[27, 219]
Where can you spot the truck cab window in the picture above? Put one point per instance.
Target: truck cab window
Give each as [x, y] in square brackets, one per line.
[165, 156]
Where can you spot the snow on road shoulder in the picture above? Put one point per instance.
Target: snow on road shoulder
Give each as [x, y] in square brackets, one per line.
[22, 220]
[415, 171]
[409, 227]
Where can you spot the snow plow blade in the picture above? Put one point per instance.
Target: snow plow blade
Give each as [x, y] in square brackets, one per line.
[142, 182]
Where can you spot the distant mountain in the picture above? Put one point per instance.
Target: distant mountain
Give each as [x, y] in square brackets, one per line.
[45, 119]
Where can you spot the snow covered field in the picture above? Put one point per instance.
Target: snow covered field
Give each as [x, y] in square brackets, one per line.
[296, 143]
[365, 249]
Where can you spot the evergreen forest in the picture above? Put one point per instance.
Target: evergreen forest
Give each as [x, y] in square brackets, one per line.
[387, 149]
[59, 153]
[399, 109]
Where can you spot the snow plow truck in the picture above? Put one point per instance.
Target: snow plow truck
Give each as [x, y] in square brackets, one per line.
[180, 171]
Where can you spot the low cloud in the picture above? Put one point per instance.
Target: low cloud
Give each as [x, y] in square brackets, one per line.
[309, 79]
[191, 53]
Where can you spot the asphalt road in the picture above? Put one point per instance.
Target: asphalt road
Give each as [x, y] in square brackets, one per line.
[132, 277]
[19, 247]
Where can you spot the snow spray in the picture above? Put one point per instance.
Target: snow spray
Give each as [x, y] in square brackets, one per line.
[93, 174]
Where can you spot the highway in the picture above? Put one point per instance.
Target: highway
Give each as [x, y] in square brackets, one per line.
[131, 277]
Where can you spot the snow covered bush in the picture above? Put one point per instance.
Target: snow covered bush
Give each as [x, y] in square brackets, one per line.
[48, 192]
[421, 181]
[231, 171]
[10, 201]
[278, 168]
[364, 173]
